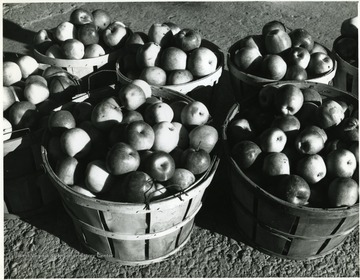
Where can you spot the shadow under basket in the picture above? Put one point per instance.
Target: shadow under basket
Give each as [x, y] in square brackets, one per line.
[279, 228]
[245, 85]
[209, 80]
[133, 233]
[347, 75]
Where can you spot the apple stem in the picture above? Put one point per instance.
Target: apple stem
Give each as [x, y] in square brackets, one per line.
[198, 147]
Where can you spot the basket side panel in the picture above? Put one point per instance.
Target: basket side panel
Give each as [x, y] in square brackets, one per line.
[129, 250]
[185, 232]
[246, 222]
[349, 223]
[240, 190]
[305, 248]
[333, 243]
[273, 242]
[164, 219]
[163, 245]
[125, 223]
[310, 227]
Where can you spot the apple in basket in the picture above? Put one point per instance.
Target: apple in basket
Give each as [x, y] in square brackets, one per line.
[202, 62]
[181, 180]
[301, 38]
[148, 54]
[23, 114]
[188, 39]
[64, 31]
[101, 19]
[121, 159]
[11, 73]
[343, 192]
[88, 34]
[115, 34]
[9, 97]
[159, 165]
[160, 34]
[294, 189]
[319, 64]
[173, 26]
[140, 135]
[195, 160]
[166, 137]
[81, 16]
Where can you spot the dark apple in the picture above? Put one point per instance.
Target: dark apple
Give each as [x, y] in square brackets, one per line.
[140, 135]
[245, 153]
[188, 39]
[319, 64]
[298, 56]
[277, 41]
[301, 38]
[273, 67]
[343, 192]
[196, 161]
[122, 159]
[272, 25]
[295, 73]
[312, 95]
[60, 121]
[160, 166]
[294, 189]
[266, 96]
[81, 16]
[288, 99]
[88, 34]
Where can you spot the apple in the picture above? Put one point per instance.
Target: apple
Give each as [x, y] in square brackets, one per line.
[179, 77]
[253, 41]
[101, 19]
[240, 129]
[23, 114]
[81, 16]
[273, 67]
[115, 34]
[36, 79]
[122, 159]
[183, 135]
[289, 124]
[311, 140]
[138, 187]
[295, 73]
[197, 161]
[11, 73]
[135, 41]
[188, 39]
[64, 31]
[161, 34]
[8, 96]
[173, 26]
[341, 163]
[69, 170]
[60, 121]
[349, 27]
[106, 114]
[203, 137]
[348, 129]
[28, 65]
[195, 113]
[277, 41]
[319, 64]
[272, 140]
[245, 153]
[312, 168]
[132, 96]
[144, 86]
[140, 135]
[275, 164]
[158, 112]
[294, 189]
[88, 34]
[173, 58]
[75, 142]
[160, 166]
[148, 55]
[343, 192]
[93, 50]
[248, 59]
[166, 137]
[73, 49]
[42, 40]
[36, 92]
[55, 51]
[298, 56]
[266, 96]
[97, 178]
[180, 181]
[82, 190]
[319, 48]
[272, 25]
[59, 85]
[329, 114]
[131, 116]
[153, 75]
[311, 95]
[7, 129]
[288, 99]
[301, 38]
[202, 62]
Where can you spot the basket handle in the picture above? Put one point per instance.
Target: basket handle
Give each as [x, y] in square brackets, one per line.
[97, 72]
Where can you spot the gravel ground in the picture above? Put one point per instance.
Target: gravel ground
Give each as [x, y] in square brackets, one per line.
[45, 246]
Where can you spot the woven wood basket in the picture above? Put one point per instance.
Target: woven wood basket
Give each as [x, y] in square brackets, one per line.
[245, 85]
[131, 233]
[209, 80]
[279, 228]
[347, 75]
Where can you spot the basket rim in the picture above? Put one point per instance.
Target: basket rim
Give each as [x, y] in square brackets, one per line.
[257, 79]
[193, 189]
[231, 114]
[339, 58]
[190, 85]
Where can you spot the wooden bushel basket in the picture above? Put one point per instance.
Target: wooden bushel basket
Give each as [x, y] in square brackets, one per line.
[245, 85]
[209, 80]
[134, 233]
[279, 228]
[347, 75]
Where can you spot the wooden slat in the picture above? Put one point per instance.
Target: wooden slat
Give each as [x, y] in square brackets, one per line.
[126, 223]
[129, 250]
[162, 246]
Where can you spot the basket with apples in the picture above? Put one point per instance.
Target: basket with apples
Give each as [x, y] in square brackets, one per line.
[170, 57]
[345, 48]
[88, 41]
[29, 95]
[293, 158]
[278, 54]
[131, 165]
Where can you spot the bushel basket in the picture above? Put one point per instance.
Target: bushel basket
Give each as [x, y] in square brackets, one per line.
[134, 233]
[277, 227]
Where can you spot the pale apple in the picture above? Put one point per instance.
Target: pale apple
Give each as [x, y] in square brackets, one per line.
[319, 64]
[183, 135]
[101, 18]
[329, 114]
[179, 77]
[299, 56]
[275, 164]
[158, 112]
[154, 75]
[148, 55]
[273, 67]
[160, 34]
[272, 140]
[173, 58]
[140, 135]
[202, 62]
[277, 41]
[106, 114]
[341, 163]
[97, 178]
[93, 50]
[312, 168]
[115, 34]
[64, 31]
[144, 86]
[73, 49]
[11, 73]
[195, 113]
[248, 59]
[36, 92]
[8, 97]
[132, 96]
[311, 140]
[75, 142]
[68, 170]
[28, 65]
[203, 137]
[166, 137]
[343, 192]
[288, 99]
[23, 114]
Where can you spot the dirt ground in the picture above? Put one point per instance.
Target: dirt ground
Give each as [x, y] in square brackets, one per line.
[45, 246]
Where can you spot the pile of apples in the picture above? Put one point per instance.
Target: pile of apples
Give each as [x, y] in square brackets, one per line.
[28, 95]
[347, 45]
[167, 55]
[276, 54]
[299, 146]
[85, 35]
[131, 146]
